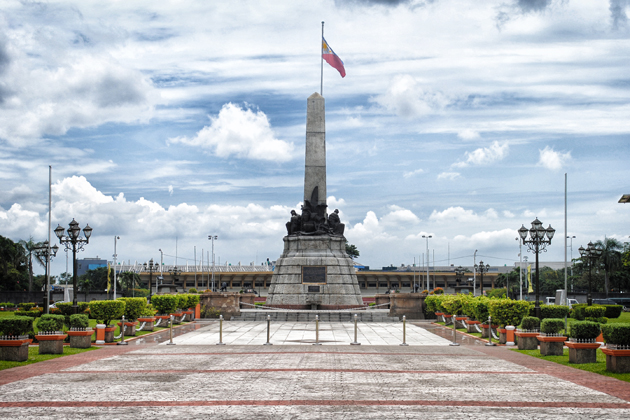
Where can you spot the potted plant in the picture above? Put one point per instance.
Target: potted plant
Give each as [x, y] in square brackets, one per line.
[104, 311]
[165, 305]
[133, 309]
[193, 301]
[582, 345]
[527, 333]
[551, 342]
[617, 350]
[14, 339]
[507, 313]
[80, 334]
[50, 335]
[178, 315]
[480, 309]
[468, 309]
[147, 317]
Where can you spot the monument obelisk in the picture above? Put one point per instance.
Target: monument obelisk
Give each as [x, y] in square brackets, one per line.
[314, 271]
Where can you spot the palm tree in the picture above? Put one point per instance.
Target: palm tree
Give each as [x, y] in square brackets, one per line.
[610, 258]
[30, 246]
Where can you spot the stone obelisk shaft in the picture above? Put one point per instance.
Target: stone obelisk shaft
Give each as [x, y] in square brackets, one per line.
[315, 162]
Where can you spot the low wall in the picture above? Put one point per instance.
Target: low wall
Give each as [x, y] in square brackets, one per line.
[409, 304]
[227, 304]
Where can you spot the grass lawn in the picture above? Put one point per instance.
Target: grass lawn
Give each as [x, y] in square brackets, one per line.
[34, 356]
[599, 367]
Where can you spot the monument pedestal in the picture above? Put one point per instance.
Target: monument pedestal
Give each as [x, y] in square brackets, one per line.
[314, 272]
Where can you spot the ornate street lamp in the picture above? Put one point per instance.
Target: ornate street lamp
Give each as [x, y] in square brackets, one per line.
[590, 255]
[151, 266]
[459, 272]
[47, 252]
[535, 244]
[76, 243]
[213, 238]
[481, 269]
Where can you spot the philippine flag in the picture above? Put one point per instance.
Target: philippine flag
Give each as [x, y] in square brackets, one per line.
[331, 58]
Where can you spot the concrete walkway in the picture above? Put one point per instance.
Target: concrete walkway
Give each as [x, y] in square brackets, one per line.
[294, 380]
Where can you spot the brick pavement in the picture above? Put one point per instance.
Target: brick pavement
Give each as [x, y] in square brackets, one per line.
[298, 381]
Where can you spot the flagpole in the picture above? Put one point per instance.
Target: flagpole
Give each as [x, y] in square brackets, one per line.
[321, 86]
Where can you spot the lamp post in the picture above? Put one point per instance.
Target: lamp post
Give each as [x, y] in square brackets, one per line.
[175, 273]
[427, 237]
[76, 243]
[520, 269]
[459, 272]
[47, 253]
[535, 244]
[116, 238]
[151, 266]
[213, 238]
[590, 255]
[482, 269]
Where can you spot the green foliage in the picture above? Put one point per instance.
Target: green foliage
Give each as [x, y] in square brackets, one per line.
[133, 307]
[584, 330]
[79, 321]
[453, 304]
[617, 334]
[613, 311]
[468, 306]
[554, 311]
[165, 304]
[507, 311]
[193, 300]
[210, 312]
[530, 323]
[148, 311]
[14, 268]
[137, 293]
[578, 311]
[481, 309]
[497, 293]
[26, 306]
[33, 314]
[7, 305]
[66, 307]
[552, 325]
[595, 311]
[50, 323]
[352, 251]
[438, 291]
[430, 303]
[192, 290]
[16, 325]
[104, 311]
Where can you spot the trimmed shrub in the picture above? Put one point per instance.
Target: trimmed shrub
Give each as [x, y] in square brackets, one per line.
[438, 291]
[617, 334]
[453, 304]
[595, 311]
[50, 323]
[554, 311]
[27, 306]
[193, 300]
[578, 311]
[66, 307]
[165, 304]
[613, 311]
[133, 307]
[481, 309]
[182, 301]
[468, 306]
[79, 321]
[497, 293]
[430, 303]
[16, 325]
[192, 290]
[148, 311]
[33, 314]
[507, 311]
[530, 323]
[586, 330]
[551, 325]
[104, 311]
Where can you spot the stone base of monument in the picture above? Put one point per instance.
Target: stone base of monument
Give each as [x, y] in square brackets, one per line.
[314, 273]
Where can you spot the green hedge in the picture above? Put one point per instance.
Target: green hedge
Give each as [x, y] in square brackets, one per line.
[104, 311]
[554, 311]
[165, 304]
[595, 311]
[617, 334]
[551, 325]
[507, 311]
[16, 325]
[613, 311]
[453, 304]
[33, 314]
[66, 307]
[79, 321]
[584, 330]
[480, 309]
[193, 300]
[51, 322]
[530, 323]
[134, 306]
[26, 306]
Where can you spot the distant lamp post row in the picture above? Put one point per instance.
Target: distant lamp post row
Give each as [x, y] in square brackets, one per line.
[151, 266]
[539, 238]
[481, 269]
[46, 252]
[74, 242]
[590, 255]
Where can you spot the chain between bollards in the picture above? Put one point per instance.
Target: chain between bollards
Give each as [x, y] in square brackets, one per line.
[170, 343]
[404, 343]
[454, 343]
[490, 343]
[355, 342]
[220, 343]
[122, 332]
[317, 343]
[268, 327]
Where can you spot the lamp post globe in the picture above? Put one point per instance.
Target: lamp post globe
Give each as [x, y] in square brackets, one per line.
[482, 269]
[590, 255]
[73, 241]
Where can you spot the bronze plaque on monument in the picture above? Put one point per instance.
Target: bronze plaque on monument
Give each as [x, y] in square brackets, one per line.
[314, 275]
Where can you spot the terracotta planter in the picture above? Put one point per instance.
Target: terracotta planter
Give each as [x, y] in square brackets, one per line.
[600, 338]
[81, 339]
[51, 343]
[460, 321]
[551, 346]
[130, 328]
[582, 352]
[438, 315]
[527, 340]
[149, 323]
[502, 335]
[163, 320]
[471, 326]
[177, 317]
[448, 319]
[14, 350]
[109, 333]
[485, 331]
[190, 315]
[617, 361]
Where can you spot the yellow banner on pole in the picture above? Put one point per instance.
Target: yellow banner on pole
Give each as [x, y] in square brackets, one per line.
[109, 283]
[530, 289]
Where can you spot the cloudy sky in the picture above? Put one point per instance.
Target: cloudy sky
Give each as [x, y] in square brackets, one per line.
[168, 121]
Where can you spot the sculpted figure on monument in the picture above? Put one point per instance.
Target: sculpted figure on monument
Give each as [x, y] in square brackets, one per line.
[335, 224]
[295, 224]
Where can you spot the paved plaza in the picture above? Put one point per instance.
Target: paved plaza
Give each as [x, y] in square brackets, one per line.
[243, 379]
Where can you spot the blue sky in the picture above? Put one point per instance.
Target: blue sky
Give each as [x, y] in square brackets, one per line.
[457, 119]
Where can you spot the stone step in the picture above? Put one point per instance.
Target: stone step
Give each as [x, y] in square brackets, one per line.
[309, 316]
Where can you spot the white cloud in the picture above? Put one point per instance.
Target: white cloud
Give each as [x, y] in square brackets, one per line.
[454, 214]
[468, 134]
[553, 160]
[334, 203]
[508, 214]
[242, 133]
[170, 190]
[407, 98]
[487, 238]
[412, 173]
[485, 155]
[448, 175]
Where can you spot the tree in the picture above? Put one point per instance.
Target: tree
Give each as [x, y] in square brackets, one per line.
[97, 278]
[129, 280]
[352, 251]
[65, 278]
[610, 258]
[510, 280]
[30, 246]
[13, 266]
